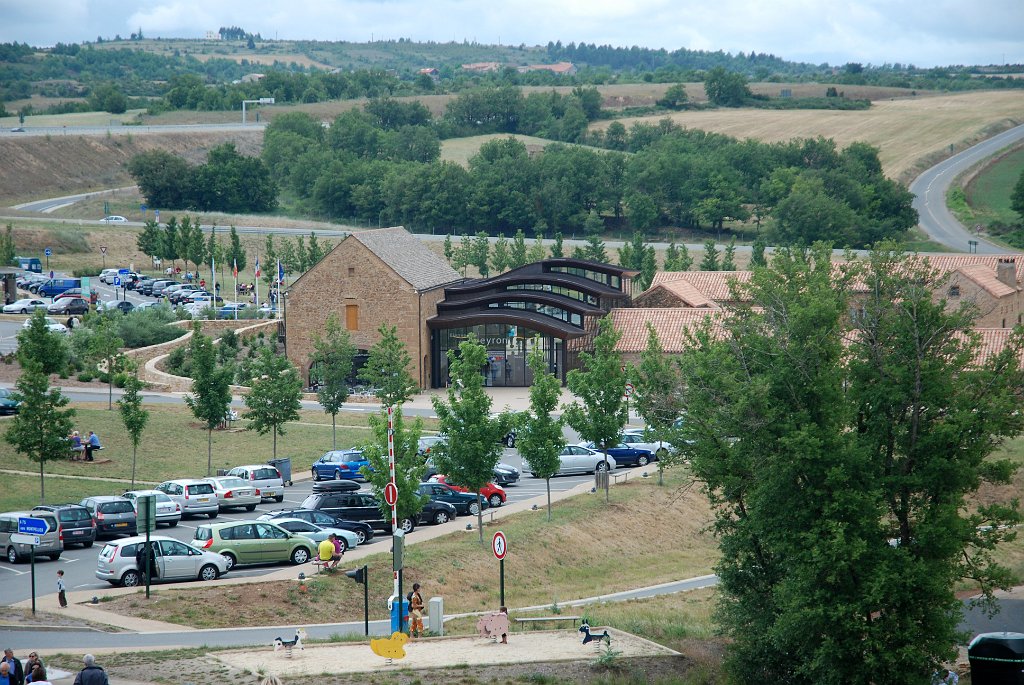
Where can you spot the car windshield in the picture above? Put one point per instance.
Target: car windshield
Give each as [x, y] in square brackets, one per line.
[232, 483]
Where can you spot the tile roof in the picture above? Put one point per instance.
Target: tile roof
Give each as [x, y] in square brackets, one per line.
[421, 267]
[987, 279]
[669, 323]
[712, 284]
[953, 262]
[685, 292]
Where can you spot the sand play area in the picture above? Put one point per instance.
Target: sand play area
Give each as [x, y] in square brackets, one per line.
[441, 652]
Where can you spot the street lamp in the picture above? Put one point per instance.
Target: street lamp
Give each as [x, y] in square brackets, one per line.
[260, 101]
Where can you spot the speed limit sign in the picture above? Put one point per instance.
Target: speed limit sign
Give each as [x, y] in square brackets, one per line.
[499, 545]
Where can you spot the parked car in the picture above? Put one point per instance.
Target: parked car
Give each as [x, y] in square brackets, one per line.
[201, 296]
[494, 495]
[157, 289]
[355, 506]
[363, 531]
[317, 533]
[175, 560]
[123, 306]
[264, 477]
[68, 305]
[233, 493]
[254, 542]
[107, 276]
[77, 526]
[339, 464]
[167, 510]
[425, 444]
[634, 437]
[625, 455]
[51, 543]
[51, 323]
[25, 306]
[8, 405]
[464, 502]
[576, 459]
[113, 515]
[195, 497]
[76, 292]
[113, 219]
[55, 286]
[504, 474]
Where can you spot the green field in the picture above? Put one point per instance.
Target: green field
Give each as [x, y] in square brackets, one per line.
[988, 194]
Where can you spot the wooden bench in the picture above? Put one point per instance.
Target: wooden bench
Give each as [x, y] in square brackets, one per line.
[529, 620]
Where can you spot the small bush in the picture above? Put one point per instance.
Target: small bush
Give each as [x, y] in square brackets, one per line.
[85, 377]
[103, 377]
[120, 379]
[79, 273]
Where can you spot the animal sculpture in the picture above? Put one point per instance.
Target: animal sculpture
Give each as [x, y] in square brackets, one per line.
[594, 637]
[493, 625]
[390, 648]
[289, 645]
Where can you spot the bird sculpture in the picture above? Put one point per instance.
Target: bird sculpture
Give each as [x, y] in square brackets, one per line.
[289, 645]
[595, 637]
[390, 648]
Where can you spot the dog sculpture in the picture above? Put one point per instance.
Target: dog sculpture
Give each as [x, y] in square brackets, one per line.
[289, 645]
[594, 637]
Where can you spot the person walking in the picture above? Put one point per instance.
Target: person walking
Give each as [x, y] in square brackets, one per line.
[91, 674]
[415, 611]
[62, 598]
[35, 672]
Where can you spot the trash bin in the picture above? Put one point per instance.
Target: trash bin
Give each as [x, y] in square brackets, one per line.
[222, 472]
[400, 624]
[284, 465]
[997, 659]
[601, 480]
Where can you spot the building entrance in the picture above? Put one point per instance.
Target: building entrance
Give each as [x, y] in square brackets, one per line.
[508, 348]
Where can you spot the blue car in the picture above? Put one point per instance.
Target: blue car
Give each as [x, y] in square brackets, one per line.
[625, 455]
[340, 464]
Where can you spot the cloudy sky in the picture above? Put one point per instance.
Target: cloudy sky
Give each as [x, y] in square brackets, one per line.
[921, 32]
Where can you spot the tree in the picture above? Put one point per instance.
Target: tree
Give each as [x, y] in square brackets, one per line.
[1016, 199]
[409, 465]
[710, 261]
[678, 258]
[726, 89]
[599, 383]
[211, 389]
[540, 439]
[449, 250]
[133, 416]
[39, 344]
[164, 179]
[471, 452]
[236, 253]
[499, 256]
[537, 251]
[517, 255]
[729, 256]
[594, 249]
[659, 397]
[480, 253]
[675, 97]
[757, 257]
[274, 397]
[387, 369]
[150, 241]
[7, 249]
[105, 347]
[838, 455]
[332, 360]
[41, 427]
[556, 246]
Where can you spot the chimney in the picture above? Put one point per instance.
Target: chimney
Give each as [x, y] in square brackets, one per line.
[1006, 271]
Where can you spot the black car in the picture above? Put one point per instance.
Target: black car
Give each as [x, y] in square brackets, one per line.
[8, 405]
[363, 531]
[360, 506]
[503, 473]
[464, 502]
[76, 523]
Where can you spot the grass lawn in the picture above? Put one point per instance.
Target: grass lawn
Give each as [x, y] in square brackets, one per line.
[21, 492]
[989, 192]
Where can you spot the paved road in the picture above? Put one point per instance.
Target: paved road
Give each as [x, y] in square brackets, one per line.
[117, 129]
[930, 190]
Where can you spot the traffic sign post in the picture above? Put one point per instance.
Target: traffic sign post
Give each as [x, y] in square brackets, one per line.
[391, 494]
[103, 251]
[31, 527]
[48, 252]
[499, 545]
[146, 520]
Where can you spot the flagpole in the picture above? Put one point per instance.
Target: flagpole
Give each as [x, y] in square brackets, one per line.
[213, 277]
[257, 281]
[234, 272]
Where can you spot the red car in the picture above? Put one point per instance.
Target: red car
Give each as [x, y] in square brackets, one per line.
[494, 494]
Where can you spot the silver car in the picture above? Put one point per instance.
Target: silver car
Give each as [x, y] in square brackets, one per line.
[318, 533]
[264, 477]
[175, 560]
[233, 492]
[194, 496]
[51, 543]
[167, 510]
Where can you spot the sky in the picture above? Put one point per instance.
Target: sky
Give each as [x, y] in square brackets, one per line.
[924, 33]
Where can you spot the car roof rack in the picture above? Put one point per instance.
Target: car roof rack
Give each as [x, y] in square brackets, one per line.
[336, 486]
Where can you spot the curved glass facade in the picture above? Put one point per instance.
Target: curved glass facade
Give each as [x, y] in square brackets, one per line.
[507, 350]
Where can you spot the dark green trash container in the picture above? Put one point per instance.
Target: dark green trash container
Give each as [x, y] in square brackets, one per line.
[284, 465]
[997, 659]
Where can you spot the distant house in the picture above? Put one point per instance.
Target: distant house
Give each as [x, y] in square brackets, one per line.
[560, 68]
[212, 35]
[252, 78]
[482, 67]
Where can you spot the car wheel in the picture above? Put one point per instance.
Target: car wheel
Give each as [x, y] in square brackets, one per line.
[360, 537]
[495, 500]
[337, 474]
[441, 517]
[279, 499]
[532, 474]
[24, 311]
[55, 557]
[600, 466]
[231, 560]
[250, 507]
[300, 556]
[406, 525]
[510, 441]
[87, 545]
[209, 572]
[172, 524]
[344, 544]
[316, 478]
[213, 514]
[131, 579]
[12, 555]
[643, 460]
[474, 509]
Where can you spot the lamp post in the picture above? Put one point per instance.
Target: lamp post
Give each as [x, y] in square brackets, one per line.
[260, 101]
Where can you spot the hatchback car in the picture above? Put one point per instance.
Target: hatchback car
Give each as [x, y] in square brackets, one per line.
[363, 531]
[264, 477]
[52, 325]
[75, 522]
[167, 510]
[51, 543]
[195, 497]
[175, 560]
[123, 306]
[233, 493]
[26, 306]
[68, 305]
[8, 405]
[114, 515]
[494, 495]
[355, 506]
[318, 533]
[464, 502]
[254, 542]
[574, 459]
[339, 464]
[113, 219]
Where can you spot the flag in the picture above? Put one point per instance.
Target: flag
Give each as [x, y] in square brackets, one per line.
[258, 272]
[280, 272]
[235, 269]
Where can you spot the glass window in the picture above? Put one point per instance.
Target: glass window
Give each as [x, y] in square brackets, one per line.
[270, 532]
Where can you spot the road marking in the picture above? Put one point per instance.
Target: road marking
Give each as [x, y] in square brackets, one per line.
[14, 571]
[69, 561]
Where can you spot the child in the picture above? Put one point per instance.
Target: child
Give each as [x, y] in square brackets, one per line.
[62, 598]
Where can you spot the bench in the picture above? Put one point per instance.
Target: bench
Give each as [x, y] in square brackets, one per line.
[320, 564]
[529, 620]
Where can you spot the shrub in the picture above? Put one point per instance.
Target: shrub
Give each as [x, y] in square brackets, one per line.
[150, 326]
[103, 377]
[79, 273]
[120, 379]
[85, 377]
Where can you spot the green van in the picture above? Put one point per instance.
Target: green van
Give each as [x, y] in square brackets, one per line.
[253, 542]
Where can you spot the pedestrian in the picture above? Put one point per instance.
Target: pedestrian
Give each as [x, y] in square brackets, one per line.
[415, 611]
[91, 445]
[32, 666]
[5, 674]
[16, 672]
[91, 674]
[202, 283]
[62, 598]
[145, 561]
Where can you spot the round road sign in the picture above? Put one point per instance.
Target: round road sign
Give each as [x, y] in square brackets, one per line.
[390, 494]
[499, 545]
[629, 390]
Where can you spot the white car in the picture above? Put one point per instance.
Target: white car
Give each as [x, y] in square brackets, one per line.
[51, 323]
[26, 306]
[578, 459]
[167, 510]
[107, 276]
[113, 219]
[233, 492]
[175, 560]
[634, 437]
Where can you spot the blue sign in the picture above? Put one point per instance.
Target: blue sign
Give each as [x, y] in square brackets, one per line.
[117, 281]
[48, 252]
[31, 526]
[123, 272]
